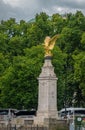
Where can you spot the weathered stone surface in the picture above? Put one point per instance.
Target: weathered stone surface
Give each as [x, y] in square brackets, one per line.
[47, 98]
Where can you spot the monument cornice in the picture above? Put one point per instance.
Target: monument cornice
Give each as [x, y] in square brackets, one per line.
[47, 78]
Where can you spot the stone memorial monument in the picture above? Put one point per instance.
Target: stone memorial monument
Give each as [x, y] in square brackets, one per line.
[47, 96]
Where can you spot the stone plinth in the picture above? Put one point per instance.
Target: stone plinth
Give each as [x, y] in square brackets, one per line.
[47, 96]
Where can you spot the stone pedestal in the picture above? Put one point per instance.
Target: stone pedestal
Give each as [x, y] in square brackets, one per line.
[47, 96]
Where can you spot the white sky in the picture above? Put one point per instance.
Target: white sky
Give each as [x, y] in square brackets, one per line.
[27, 9]
[12, 2]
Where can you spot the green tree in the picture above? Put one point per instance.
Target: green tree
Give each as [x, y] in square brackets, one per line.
[58, 22]
[83, 41]
[3, 43]
[16, 46]
[19, 81]
[79, 76]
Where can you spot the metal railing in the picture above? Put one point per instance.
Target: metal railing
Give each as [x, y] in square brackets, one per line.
[31, 127]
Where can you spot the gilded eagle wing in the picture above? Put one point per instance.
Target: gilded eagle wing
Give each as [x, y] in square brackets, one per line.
[52, 41]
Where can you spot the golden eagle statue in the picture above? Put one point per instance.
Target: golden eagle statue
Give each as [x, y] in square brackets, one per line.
[49, 44]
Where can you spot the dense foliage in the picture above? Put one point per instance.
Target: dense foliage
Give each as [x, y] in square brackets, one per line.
[22, 56]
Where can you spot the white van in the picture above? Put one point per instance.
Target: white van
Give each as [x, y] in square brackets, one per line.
[70, 112]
